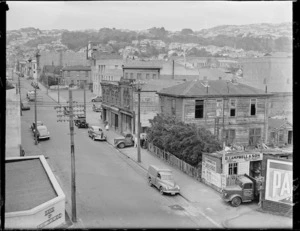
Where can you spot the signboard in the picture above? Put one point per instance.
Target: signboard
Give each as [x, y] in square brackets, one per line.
[279, 181]
[242, 157]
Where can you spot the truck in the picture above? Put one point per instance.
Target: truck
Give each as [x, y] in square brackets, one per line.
[245, 189]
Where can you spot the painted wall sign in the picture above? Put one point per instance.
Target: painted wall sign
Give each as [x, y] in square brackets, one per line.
[279, 181]
[210, 164]
[242, 157]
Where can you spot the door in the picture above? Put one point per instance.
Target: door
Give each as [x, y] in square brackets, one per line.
[290, 137]
[248, 191]
[116, 122]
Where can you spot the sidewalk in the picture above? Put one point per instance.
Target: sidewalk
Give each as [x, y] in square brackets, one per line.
[204, 199]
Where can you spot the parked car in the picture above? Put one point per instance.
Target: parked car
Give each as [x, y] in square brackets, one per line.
[80, 121]
[96, 133]
[96, 99]
[30, 95]
[162, 179]
[25, 106]
[42, 132]
[122, 142]
[35, 85]
[97, 108]
[39, 123]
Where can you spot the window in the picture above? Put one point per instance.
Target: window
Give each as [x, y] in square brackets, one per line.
[232, 107]
[272, 135]
[281, 136]
[248, 186]
[139, 76]
[229, 136]
[173, 107]
[254, 136]
[147, 76]
[154, 76]
[219, 107]
[131, 75]
[86, 74]
[232, 168]
[68, 73]
[253, 107]
[199, 109]
[126, 75]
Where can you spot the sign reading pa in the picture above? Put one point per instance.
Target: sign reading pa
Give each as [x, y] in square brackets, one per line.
[279, 181]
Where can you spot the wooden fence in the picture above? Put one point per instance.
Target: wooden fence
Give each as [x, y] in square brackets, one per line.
[174, 161]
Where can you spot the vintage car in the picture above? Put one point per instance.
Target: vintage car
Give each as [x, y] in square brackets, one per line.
[38, 124]
[80, 121]
[126, 141]
[162, 179]
[25, 106]
[96, 99]
[42, 132]
[30, 95]
[97, 108]
[96, 133]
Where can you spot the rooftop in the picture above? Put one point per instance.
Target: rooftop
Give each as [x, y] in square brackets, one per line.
[76, 68]
[278, 123]
[27, 185]
[197, 88]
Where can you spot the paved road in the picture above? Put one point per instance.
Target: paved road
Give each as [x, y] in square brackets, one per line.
[111, 190]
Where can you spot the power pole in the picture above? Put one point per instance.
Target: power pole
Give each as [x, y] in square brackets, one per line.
[47, 84]
[139, 126]
[73, 184]
[20, 94]
[84, 99]
[35, 118]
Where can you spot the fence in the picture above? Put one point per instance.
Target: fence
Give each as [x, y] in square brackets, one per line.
[174, 161]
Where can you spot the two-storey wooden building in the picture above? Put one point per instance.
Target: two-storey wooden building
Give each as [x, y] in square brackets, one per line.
[234, 112]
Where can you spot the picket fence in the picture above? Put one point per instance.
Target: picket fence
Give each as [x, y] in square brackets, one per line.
[174, 161]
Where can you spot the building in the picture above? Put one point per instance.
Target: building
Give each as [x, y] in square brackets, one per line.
[141, 71]
[280, 132]
[234, 112]
[76, 75]
[34, 199]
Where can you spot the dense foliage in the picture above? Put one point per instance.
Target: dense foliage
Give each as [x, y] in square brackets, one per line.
[186, 141]
[41, 40]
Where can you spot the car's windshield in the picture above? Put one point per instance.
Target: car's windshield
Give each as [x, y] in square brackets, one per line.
[166, 177]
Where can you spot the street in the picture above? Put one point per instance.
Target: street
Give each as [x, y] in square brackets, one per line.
[111, 191]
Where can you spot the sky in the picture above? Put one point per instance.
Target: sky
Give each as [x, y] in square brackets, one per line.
[142, 15]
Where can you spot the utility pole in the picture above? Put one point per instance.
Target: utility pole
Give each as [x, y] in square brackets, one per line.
[73, 184]
[35, 118]
[84, 99]
[47, 84]
[58, 90]
[139, 126]
[20, 94]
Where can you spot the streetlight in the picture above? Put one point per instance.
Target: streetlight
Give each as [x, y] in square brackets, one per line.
[137, 85]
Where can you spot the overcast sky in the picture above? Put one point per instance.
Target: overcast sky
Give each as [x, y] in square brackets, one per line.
[173, 16]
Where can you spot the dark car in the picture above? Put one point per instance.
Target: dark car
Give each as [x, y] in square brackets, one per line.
[80, 121]
[122, 142]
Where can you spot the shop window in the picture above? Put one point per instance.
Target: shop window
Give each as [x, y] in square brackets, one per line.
[154, 76]
[86, 74]
[232, 168]
[232, 107]
[147, 76]
[253, 107]
[131, 75]
[139, 76]
[126, 75]
[199, 108]
[254, 136]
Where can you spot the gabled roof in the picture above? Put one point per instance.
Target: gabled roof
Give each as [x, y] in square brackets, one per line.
[77, 68]
[216, 88]
[278, 123]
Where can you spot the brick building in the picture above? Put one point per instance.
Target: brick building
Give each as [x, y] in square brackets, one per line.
[76, 75]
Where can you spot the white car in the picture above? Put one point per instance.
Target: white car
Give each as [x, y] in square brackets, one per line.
[96, 133]
[42, 132]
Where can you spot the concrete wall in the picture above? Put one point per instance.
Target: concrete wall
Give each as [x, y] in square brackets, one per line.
[13, 124]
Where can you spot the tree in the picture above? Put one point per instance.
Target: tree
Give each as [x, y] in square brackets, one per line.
[186, 141]
[187, 31]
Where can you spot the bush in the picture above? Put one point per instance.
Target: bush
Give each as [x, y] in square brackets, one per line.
[185, 141]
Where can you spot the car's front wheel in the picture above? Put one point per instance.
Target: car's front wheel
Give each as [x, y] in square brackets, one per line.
[93, 138]
[121, 145]
[236, 201]
[93, 100]
[161, 190]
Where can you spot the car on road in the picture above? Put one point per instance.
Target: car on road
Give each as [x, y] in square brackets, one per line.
[42, 132]
[39, 123]
[96, 99]
[80, 121]
[96, 133]
[25, 106]
[163, 180]
[97, 108]
[126, 141]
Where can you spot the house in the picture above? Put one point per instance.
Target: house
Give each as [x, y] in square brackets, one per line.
[76, 75]
[280, 132]
[234, 112]
[141, 70]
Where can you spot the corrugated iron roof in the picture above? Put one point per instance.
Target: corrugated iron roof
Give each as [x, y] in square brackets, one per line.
[216, 88]
[277, 123]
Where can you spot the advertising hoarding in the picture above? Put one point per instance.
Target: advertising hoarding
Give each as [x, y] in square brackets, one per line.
[279, 181]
